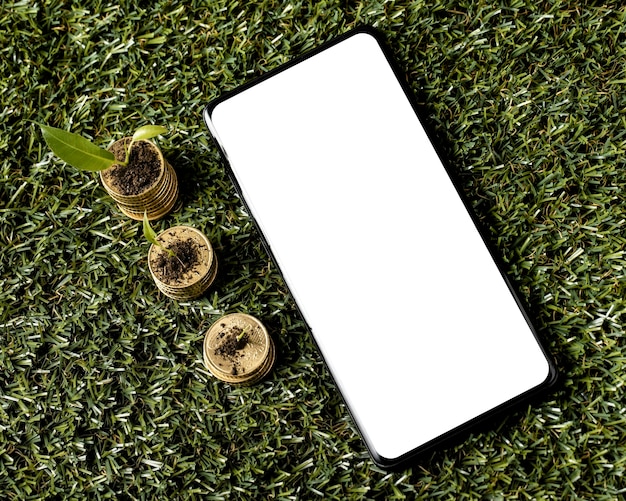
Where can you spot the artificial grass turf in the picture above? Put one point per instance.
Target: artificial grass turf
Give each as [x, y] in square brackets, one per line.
[102, 389]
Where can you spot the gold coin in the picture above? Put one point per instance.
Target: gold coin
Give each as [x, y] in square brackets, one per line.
[237, 349]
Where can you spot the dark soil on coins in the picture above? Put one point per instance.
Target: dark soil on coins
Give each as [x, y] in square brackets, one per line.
[233, 340]
[142, 171]
[173, 268]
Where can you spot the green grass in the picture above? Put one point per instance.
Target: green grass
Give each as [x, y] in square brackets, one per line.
[102, 389]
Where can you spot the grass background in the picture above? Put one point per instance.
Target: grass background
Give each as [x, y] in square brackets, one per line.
[102, 389]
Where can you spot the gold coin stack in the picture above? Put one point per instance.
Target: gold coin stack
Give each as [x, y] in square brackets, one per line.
[157, 200]
[195, 281]
[238, 350]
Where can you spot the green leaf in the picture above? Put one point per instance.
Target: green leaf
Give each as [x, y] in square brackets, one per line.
[148, 232]
[76, 150]
[148, 132]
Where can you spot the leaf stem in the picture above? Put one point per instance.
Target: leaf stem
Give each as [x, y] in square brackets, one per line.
[152, 237]
[242, 334]
[128, 150]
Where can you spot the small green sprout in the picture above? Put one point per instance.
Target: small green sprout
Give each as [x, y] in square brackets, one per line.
[243, 332]
[83, 154]
[152, 237]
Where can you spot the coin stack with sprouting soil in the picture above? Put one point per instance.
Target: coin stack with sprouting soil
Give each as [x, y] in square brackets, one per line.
[238, 349]
[182, 263]
[148, 183]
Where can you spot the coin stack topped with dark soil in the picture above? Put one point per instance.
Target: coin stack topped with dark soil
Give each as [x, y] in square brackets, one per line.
[238, 349]
[184, 265]
[147, 184]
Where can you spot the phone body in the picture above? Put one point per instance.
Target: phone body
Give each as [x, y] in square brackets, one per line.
[420, 329]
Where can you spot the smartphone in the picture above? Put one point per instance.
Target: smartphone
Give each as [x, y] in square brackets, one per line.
[420, 329]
